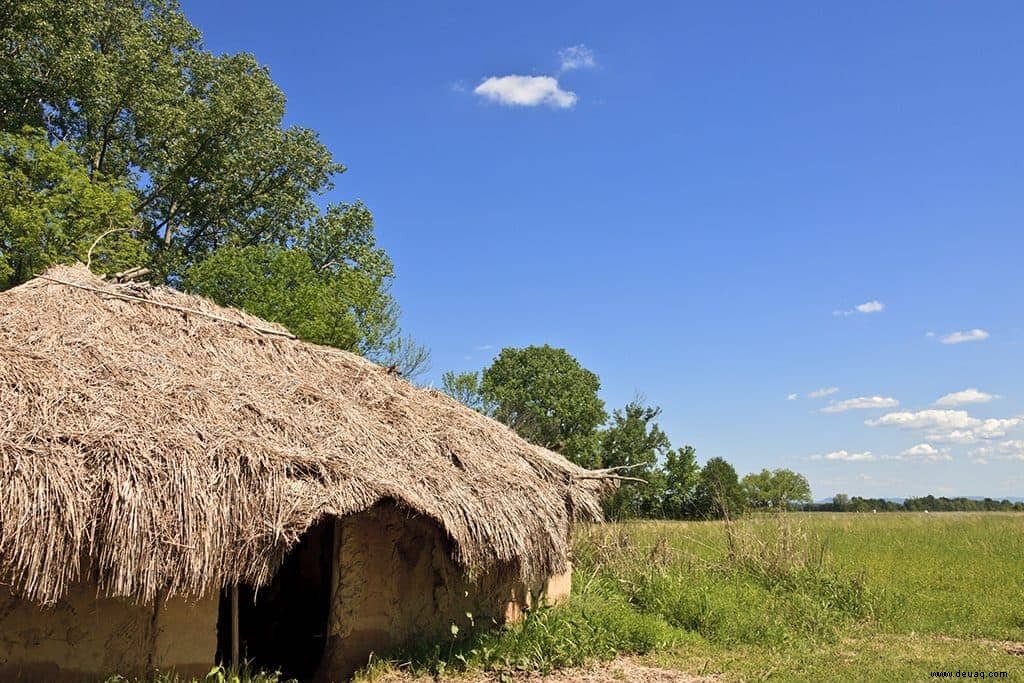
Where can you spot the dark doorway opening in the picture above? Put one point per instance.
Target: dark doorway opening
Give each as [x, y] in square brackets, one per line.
[283, 626]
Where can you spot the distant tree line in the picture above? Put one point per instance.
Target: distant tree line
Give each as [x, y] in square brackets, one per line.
[550, 399]
[845, 503]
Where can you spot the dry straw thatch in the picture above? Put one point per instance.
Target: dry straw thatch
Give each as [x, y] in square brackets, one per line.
[161, 445]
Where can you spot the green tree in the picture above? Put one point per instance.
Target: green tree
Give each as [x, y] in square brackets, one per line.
[682, 473]
[776, 489]
[633, 440]
[465, 388]
[758, 488]
[858, 504]
[128, 85]
[548, 398]
[841, 502]
[789, 488]
[329, 288]
[214, 174]
[52, 212]
[718, 494]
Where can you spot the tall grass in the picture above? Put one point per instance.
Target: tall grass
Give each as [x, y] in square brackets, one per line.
[218, 674]
[764, 581]
[956, 574]
[647, 586]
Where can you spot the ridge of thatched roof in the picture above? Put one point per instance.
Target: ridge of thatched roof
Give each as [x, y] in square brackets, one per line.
[160, 444]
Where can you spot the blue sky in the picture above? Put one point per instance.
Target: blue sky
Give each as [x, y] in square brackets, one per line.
[692, 201]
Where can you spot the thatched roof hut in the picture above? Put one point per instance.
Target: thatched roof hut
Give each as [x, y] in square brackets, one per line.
[156, 445]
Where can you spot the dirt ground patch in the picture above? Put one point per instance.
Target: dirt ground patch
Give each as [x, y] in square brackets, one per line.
[621, 669]
[1010, 647]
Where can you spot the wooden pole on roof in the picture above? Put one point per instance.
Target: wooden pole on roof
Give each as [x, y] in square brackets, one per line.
[234, 628]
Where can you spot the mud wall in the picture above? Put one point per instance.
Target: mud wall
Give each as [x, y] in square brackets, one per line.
[85, 637]
[396, 585]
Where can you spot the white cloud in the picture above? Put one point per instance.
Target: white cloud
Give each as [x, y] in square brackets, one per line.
[960, 337]
[958, 398]
[576, 57]
[993, 428]
[845, 456]
[483, 347]
[922, 452]
[823, 392]
[526, 91]
[860, 403]
[1007, 450]
[949, 426]
[925, 452]
[1013, 450]
[955, 436]
[873, 306]
[926, 419]
[792, 397]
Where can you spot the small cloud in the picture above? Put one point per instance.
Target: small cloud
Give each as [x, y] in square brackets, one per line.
[1012, 450]
[484, 347]
[873, 306]
[929, 334]
[949, 426]
[1007, 450]
[823, 392]
[926, 419]
[458, 86]
[993, 428]
[870, 307]
[925, 452]
[860, 403]
[526, 91]
[960, 337]
[983, 430]
[576, 57]
[964, 397]
[845, 456]
[792, 397]
[954, 436]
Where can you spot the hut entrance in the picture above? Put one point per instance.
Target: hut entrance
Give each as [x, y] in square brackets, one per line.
[283, 626]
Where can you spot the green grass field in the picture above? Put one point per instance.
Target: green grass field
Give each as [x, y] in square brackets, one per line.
[792, 597]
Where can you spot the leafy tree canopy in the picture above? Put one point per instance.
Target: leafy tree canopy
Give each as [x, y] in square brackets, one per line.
[465, 388]
[681, 476]
[777, 489]
[634, 440]
[213, 173]
[52, 212]
[719, 494]
[547, 397]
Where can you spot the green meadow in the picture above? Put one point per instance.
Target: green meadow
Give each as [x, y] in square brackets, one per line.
[782, 597]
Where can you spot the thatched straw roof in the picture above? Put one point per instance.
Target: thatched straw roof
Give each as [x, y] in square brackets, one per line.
[162, 445]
